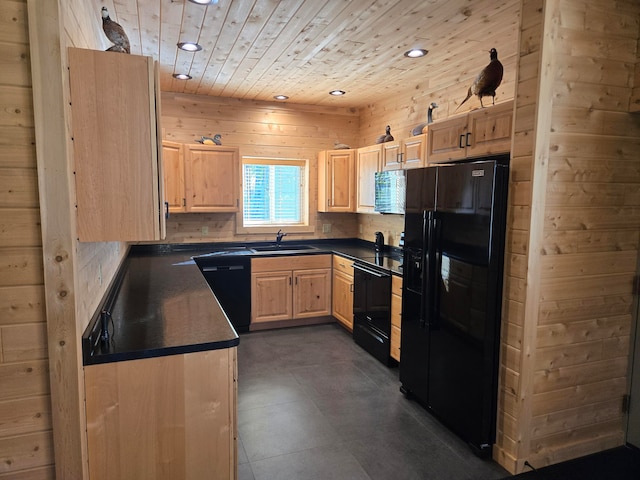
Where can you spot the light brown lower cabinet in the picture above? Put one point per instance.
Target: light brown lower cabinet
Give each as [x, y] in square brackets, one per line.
[396, 316]
[342, 291]
[163, 418]
[290, 287]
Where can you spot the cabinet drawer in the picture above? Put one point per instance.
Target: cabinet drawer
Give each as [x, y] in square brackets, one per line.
[342, 264]
[290, 262]
[395, 343]
[396, 285]
[396, 309]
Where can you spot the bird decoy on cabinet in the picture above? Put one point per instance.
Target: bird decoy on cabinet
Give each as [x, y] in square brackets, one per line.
[216, 140]
[115, 33]
[487, 81]
[420, 128]
[387, 137]
[340, 146]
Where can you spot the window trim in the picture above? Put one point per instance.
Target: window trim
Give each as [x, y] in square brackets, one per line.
[305, 227]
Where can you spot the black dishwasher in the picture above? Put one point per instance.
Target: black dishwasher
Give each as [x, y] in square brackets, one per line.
[372, 310]
[229, 277]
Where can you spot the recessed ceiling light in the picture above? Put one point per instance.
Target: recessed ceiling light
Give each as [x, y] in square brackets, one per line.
[416, 53]
[182, 76]
[281, 97]
[189, 46]
[337, 93]
[204, 2]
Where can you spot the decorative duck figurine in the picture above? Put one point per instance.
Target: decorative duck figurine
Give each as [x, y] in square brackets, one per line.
[216, 140]
[421, 128]
[340, 146]
[387, 137]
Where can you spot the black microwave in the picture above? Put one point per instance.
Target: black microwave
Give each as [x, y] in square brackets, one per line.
[390, 191]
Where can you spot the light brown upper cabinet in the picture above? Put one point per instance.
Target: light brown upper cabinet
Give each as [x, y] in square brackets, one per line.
[485, 131]
[118, 170]
[368, 162]
[405, 154]
[336, 181]
[212, 178]
[173, 162]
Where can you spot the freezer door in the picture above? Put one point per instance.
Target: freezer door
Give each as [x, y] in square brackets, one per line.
[421, 195]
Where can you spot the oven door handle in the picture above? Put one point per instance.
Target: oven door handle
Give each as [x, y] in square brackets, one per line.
[370, 272]
[223, 268]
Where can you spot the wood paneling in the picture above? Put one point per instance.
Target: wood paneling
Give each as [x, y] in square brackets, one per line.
[26, 446]
[23, 452]
[76, 275]
[584, 216]
[25, 415]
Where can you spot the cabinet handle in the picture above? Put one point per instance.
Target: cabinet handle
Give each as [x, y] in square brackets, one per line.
[351, 287]
[461, 142]
[166, 210]
[184, 202]
[468, 137]
[289, 280]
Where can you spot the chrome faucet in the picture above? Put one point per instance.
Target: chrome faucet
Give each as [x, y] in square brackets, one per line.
[279, 236]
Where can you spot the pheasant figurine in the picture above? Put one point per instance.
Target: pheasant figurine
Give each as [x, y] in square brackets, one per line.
[115, 33]
[487, 81]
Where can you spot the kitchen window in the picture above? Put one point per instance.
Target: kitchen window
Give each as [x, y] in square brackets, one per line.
[274, 195]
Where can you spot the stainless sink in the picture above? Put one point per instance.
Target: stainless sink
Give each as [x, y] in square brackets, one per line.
[283, 247]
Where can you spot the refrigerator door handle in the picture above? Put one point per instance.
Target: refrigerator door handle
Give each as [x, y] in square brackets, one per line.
[427, 249]
[435, 261]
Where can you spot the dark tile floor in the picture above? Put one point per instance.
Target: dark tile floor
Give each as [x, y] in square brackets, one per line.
[314, 405]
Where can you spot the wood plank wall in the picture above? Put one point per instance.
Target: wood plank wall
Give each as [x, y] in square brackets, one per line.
[591, 236]
[516, 333]
[274, 129]
[75, 275]
[26, 438]
[574, 233]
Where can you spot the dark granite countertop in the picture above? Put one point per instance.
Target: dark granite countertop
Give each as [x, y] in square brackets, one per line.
[162, 305]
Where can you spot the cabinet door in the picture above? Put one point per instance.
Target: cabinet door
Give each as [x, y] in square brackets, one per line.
[490, 130]
[311, 293]
[336, 181]
[414, 154]
[368, 162]
[212, 178]
[446, 140]
[140, 412]
[271, 296]
[173, 161]
[391, 156]
[115, 147]
[342, 298]
[396, 316]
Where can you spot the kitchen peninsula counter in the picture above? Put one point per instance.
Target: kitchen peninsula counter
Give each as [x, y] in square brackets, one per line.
[159, 305]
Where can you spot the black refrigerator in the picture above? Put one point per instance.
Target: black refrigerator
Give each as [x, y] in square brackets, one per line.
[452, 293]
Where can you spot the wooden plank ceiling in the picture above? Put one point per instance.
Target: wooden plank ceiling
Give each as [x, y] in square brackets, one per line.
[255, 49]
